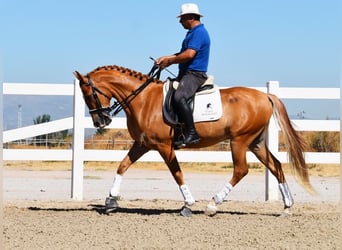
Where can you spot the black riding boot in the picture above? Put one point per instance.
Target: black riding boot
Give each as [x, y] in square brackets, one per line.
[191, 136]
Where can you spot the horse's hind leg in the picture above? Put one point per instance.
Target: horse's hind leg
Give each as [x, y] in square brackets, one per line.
[259, 148]
[136, 151]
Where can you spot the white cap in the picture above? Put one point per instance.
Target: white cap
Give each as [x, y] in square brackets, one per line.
[189, 8]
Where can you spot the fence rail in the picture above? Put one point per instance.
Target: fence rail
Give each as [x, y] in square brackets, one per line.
[77, 154]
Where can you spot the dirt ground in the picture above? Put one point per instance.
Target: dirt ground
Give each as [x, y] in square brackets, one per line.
[37, 214]
[155, 224]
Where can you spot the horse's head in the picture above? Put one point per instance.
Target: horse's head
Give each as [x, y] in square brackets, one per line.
[97, 100]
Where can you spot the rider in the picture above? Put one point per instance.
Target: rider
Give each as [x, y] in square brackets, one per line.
[192, 62]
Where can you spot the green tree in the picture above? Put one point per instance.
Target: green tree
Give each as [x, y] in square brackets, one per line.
[41, 119]
[41, 139]
[101, 131]
[52, 139]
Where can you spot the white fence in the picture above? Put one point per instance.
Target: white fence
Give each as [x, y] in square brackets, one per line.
[79, 122]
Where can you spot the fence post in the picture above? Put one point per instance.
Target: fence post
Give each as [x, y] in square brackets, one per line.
[271, 183]
[1, 158]
[78, 144]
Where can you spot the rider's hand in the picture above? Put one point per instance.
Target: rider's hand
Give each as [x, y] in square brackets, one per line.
[164, 61]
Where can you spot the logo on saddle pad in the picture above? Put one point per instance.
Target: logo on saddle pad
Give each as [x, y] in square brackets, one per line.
[206, 105]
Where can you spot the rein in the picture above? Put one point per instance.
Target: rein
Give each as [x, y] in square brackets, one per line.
[119, 106]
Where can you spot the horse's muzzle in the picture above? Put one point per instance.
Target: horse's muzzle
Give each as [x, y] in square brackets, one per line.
[102, 119]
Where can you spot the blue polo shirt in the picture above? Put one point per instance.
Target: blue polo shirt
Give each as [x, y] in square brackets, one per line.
[197, 39]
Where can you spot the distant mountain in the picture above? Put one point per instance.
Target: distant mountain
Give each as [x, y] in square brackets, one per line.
[33, 106]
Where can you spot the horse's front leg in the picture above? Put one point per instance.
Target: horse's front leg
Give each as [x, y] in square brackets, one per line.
[136, 151]
[169, 156]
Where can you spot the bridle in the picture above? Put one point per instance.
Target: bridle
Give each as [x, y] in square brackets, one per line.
[104, 112]
[94, 91]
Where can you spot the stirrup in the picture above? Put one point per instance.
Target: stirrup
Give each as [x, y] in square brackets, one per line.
[179, 140]
[187, 141]
[178, 144]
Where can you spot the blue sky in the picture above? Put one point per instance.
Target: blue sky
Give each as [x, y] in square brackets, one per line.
[294, 42]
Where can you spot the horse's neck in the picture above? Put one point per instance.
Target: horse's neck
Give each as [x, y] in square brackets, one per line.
[145, 110]
[125, 88]
[129, 91]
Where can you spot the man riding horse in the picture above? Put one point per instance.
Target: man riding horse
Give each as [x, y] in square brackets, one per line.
[193, 61]
[246, 114]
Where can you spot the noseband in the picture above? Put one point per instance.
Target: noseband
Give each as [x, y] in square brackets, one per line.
[118, 106]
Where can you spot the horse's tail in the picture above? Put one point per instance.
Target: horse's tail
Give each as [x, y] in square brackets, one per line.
[294, 143]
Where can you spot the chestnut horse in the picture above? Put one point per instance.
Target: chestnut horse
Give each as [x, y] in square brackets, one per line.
[245, 119]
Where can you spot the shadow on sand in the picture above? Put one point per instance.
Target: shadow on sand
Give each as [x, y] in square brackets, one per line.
[101, 209]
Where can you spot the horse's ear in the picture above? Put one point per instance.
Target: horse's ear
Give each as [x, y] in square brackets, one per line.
[80, 77]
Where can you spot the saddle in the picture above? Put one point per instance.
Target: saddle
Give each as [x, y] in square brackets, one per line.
[205, 104]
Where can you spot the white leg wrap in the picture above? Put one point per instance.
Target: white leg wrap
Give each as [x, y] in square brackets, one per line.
[114, 191]
[188, 198]
[219, 197]
[286, 194]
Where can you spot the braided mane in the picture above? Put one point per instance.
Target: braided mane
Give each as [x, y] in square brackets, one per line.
[124, 70]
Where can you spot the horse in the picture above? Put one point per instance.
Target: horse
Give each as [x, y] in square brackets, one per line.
[246, 113]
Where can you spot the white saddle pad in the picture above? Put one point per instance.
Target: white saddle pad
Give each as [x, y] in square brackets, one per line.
[208, 105]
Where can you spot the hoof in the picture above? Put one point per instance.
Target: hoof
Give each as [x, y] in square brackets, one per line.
[286, 213]
[211, 209]
[111, 204]
[186, 212]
